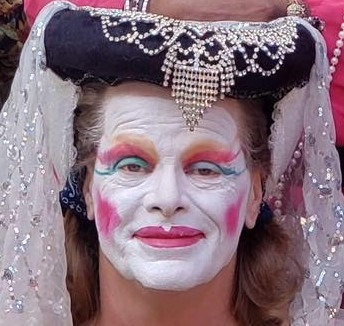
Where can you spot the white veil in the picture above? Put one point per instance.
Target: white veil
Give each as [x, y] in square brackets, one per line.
[36, 140]
[305, 162]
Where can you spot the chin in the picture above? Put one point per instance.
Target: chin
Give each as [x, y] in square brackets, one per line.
[173, 275]
[171, 269]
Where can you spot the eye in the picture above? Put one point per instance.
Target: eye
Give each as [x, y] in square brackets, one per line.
[132, 165]
[132, 168]
[208, 169]
[205, 169]
[129, 165]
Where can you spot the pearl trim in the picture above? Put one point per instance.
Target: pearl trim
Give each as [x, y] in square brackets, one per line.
[337, 51]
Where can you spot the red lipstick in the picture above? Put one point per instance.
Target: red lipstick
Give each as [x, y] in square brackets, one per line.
[176, 237]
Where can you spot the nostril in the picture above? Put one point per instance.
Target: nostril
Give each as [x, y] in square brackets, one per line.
[166, 212]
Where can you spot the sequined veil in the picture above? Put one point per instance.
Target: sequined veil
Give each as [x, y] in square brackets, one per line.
[37, 153]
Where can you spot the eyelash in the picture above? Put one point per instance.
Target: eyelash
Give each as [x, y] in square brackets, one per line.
[214, 169]
[209, 169]
[124, 164]
[130, 161]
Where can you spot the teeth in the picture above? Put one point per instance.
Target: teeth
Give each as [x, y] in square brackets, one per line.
[167, 228]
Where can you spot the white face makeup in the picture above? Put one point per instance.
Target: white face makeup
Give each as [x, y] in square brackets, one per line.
[169, 204]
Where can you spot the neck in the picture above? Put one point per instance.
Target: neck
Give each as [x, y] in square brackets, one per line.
[125, 302]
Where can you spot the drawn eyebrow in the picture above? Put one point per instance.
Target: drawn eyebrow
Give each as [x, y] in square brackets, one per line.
[216, 156]
[124, 150]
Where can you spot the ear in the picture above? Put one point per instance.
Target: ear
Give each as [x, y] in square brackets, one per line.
[254, 200]
[87, 191]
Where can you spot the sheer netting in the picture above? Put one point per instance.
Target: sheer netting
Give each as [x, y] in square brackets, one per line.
[305, 190]
[36, 153]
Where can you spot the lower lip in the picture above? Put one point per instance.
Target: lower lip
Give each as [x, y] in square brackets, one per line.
[170, 243]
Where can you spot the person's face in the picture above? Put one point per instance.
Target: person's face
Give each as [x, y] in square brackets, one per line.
[169, 204]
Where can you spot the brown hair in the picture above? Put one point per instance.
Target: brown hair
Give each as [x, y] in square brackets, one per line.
[268, 273]
[267, 277]
[81, 235]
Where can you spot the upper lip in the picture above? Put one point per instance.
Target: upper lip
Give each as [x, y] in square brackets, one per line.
[158, 232]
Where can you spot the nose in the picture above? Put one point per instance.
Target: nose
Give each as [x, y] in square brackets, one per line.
[166, 196]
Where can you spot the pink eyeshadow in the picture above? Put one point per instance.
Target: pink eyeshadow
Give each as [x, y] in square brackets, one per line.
[107, 216]
[219, 157]
[123, 150]
[232, 216]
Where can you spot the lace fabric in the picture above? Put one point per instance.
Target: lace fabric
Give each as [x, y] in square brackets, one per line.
[36, 129]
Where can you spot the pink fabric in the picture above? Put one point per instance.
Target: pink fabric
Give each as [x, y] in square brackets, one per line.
[332, 12]
[33, 7]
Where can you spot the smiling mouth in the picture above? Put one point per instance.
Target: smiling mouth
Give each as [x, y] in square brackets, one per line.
[175, 237]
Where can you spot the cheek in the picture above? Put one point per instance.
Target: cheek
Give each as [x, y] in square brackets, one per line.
[232, 216]
[106, 216]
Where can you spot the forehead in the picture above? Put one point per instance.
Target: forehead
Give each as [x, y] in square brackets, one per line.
[146, 109]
